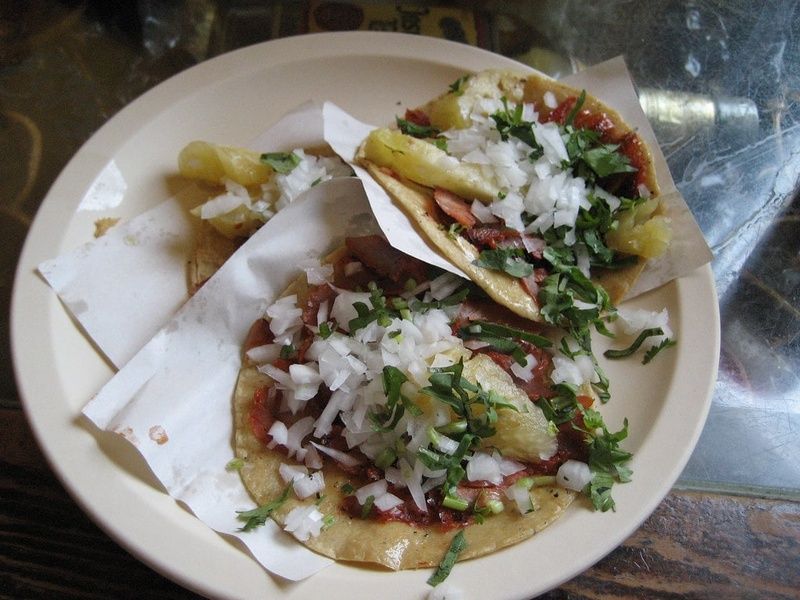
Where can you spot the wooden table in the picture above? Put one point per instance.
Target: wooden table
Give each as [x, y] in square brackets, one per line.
[695, 545]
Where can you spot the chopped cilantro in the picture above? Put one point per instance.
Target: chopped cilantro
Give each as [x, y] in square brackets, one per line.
[508, 260]
[379, 312]
[258, 516]
[590, 159]
[457, 86]
[615, 354]
[605, 160]
[457, 546]
[235, 464]
[414, 130]
[325, 330]
[455, 503]
[454, 230]
[651, 353]
[281, 162]
[367, 508]
[576, 108]
[497, 330]
[502, 338]
[451, 300]
[607, 461]
[509, 123]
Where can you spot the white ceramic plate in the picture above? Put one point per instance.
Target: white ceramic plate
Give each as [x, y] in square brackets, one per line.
[228, 99]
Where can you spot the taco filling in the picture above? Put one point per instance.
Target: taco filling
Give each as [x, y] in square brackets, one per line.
[539, 193]
[385, 408]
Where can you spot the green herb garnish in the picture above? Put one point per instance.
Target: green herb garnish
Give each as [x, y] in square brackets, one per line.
[457, 86]
[258, 516]
[417, 131]
[509, 123]
[605, 160]
[508, 260]
[651, 353]
[281, 162]
[607, 461]
[646, 333]
[575, 108]
[325, 330]
[367, 508]
[235, 464]
[457, 546]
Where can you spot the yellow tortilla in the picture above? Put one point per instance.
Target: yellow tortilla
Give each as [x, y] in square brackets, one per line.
[211, 251]
[395, 545]
[411, 186]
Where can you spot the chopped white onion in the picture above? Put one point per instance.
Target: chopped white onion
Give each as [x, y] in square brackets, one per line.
[312, 458]
[444, 285]
[308, 485]
[264, 354]
[574, 475]
[344, 311]
[291, 472]
[352, 268]
[521, 497]
[296, 433]
[284, 315]
[525, 372]
[575, 371]
[374, 489]
[507, 465]
[446, 591]
[316, 273]
[387, 501]
[445, 444]
[338, 455]
[304, 522]
[533, 244]
[279, 433]
[482, 212]
[483, 467]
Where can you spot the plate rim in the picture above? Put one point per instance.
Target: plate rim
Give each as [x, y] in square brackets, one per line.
[110, 136]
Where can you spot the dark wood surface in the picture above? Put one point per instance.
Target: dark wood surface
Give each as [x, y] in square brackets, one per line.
[696, 545]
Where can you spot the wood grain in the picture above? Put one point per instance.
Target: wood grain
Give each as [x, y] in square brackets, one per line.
[695, 545]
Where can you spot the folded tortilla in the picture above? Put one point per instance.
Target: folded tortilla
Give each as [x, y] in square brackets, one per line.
[394, 544]
[410, 182]
[219, 237]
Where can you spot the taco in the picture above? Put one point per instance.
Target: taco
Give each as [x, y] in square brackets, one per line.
[383, 408]
[524, 184]
[256, 186]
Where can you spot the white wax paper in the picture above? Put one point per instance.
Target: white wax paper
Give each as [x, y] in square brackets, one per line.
[173, 399]
[609, 82]
[124, 286]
